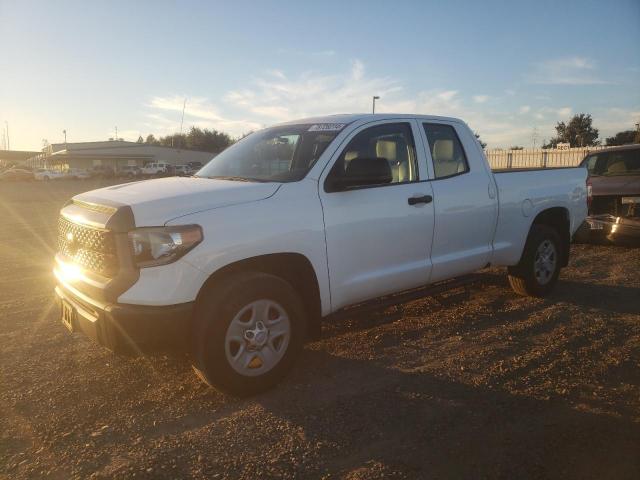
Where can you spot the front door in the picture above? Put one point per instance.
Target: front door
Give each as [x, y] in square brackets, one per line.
[379, 235]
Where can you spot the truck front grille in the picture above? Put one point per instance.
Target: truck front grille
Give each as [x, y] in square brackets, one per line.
[91, 248]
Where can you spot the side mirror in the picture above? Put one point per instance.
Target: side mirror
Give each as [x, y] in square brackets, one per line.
[361, 172]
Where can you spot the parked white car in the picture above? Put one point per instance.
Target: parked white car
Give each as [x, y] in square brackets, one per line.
[78, 173]
[182, 170]
[45, 174]
[151, 169]
[296, 223]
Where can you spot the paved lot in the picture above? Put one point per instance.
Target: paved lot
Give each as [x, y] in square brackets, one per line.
[477, 383]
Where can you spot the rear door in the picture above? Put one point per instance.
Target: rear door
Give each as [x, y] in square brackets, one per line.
[378, 237]
[464, 198]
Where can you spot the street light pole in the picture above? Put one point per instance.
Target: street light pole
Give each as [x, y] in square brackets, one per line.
[373, 109]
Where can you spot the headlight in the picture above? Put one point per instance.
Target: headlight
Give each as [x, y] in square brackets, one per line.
[161, 245]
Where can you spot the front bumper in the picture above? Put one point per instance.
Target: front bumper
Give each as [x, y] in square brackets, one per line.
[126, 328]
[615, 227]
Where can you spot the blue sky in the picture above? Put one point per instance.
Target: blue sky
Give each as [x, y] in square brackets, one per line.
[504, 67]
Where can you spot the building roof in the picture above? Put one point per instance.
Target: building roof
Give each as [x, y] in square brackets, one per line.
[114, 144]
[16, 155]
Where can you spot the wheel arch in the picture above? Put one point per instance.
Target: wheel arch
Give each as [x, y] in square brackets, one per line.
[558, 219]
[294, 268]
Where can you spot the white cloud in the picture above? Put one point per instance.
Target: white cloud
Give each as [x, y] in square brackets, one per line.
[565, 71]
[278, 96]
[613, 120]
[198, 112]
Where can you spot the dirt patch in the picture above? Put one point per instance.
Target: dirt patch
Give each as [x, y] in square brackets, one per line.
[475, 383]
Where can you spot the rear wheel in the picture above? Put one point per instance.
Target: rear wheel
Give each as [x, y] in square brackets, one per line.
[247, 333]
[539, 267]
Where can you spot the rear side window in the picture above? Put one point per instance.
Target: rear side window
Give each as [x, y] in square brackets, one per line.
[447, 153]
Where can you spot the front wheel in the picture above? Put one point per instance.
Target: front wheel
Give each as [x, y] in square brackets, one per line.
[539, 267]
[247, 333]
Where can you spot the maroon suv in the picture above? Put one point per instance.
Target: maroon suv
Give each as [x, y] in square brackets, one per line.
[614, 179]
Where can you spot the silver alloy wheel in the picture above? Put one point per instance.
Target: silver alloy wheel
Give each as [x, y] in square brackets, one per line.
[257, 338]
[545, 261]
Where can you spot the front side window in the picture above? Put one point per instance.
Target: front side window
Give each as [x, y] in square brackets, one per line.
[278, 154]
[446, 150]
[386, 152]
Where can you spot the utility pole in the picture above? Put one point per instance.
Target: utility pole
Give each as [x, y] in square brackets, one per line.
[373, 109]
[534, 137]
[116, 133]
[65, 137]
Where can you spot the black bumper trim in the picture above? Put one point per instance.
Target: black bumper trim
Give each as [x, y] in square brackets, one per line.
[130, 329]
[615, 226]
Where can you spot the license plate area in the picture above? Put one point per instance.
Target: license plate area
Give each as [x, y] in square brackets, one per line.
[595, 225]
[68, 315]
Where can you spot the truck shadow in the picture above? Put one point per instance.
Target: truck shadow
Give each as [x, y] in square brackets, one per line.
[350, 415]
[610, 298]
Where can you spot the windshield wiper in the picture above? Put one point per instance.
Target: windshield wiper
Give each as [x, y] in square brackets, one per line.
[234, 179]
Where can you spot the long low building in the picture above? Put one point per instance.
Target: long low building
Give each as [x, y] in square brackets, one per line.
[14, 157]
[114, 153]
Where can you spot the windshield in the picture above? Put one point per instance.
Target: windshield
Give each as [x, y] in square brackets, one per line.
[277, 154]
[621, 162]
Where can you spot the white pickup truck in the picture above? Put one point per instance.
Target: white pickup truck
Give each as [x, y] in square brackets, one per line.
[296, 223]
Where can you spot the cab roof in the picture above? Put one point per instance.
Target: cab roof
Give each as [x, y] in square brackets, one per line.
[348, 118]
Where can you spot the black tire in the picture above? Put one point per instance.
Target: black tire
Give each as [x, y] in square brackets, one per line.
[214, 313]
[523, 278]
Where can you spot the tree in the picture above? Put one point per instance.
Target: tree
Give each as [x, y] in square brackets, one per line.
[579, 132]
[516, 147]
[140, 139]
[624, 138]
[482, 144]
[204, 140]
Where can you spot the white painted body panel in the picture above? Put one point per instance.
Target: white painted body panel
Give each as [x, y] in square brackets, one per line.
[376, 242]
[362, 243]
[523, 195]
[171, 284]
[288, 222]
[465, 213]
[155, 202]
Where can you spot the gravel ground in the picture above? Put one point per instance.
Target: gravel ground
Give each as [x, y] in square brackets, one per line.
[475, 383]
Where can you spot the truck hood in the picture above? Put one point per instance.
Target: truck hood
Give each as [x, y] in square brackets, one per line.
[155, 202]
[615, 185]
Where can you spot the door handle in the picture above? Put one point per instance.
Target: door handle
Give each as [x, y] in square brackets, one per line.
[423, 199]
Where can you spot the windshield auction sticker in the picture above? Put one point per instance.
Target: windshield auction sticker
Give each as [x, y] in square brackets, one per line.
[327, 127]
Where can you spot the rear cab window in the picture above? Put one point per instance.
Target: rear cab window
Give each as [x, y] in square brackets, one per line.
[613, 163]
